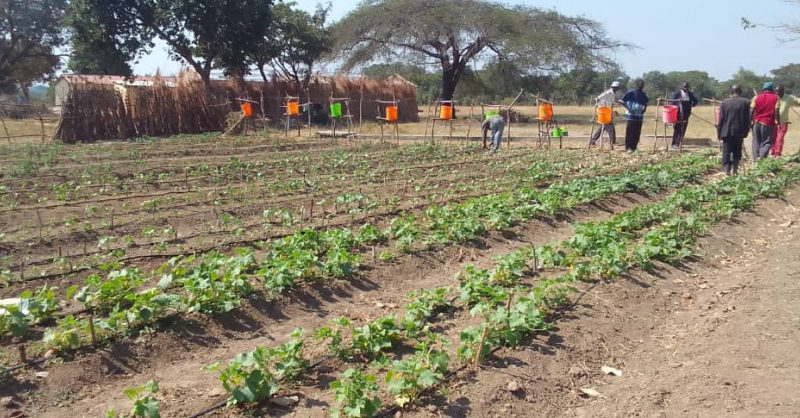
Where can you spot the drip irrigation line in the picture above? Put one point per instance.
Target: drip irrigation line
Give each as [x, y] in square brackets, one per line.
[23, 365]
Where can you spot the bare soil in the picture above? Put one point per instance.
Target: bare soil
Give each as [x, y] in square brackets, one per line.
[716, 337]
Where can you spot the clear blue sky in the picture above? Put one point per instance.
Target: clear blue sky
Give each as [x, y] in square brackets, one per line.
[672, 35]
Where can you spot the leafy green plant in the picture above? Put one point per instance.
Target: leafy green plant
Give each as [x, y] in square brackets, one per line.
[355, 393]
[145, 403]
[407, 379]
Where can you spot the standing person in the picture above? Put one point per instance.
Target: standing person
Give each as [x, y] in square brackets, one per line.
[635, 101]
[607, 99]
[732, 128]
[786, 102]
[686, 101]
[496, 123]
[764, 117]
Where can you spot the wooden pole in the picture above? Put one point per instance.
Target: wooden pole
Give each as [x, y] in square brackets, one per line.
[41, 121]
[5, 128]
[469, 124]
[427, 119]
[508, 114]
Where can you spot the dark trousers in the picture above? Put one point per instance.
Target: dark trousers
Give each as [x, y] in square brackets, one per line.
[762, 140]
[679, 131]
[732, 151]
[610, 129]
[633, 131]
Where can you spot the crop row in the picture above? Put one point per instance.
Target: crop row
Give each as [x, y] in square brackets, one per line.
[509, 311]
[349, 208]
[217, 283]
[362, 161]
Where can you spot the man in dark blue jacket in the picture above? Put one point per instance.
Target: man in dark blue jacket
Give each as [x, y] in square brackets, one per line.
[685, 100]
[732, 128]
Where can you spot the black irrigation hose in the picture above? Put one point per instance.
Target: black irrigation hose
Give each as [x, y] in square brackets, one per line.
[23, 365]
[221, 404]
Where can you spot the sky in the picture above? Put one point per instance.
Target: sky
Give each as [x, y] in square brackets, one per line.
[671, 35]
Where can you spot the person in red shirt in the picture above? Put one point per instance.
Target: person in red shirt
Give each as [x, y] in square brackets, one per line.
[764, 116]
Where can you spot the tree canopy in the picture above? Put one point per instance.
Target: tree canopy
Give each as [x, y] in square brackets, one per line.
[294, 43]
[450, 34]
[201, 33]
[30, 33]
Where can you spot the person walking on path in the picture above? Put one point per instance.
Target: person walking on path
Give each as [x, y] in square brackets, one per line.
[496, 124]
[732, 128]
[607, 99]
[764, 117]
[635, 101]
[786, 103]
[685, 100]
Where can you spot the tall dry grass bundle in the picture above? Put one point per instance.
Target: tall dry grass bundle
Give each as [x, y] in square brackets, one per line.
[159, 108]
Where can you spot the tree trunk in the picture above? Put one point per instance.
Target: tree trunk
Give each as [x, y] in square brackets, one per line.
[448, 85]
[263, 74]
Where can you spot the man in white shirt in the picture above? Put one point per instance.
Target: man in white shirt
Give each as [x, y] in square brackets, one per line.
[607, 99]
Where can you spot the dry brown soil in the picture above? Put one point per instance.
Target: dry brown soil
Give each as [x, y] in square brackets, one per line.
[716, 337]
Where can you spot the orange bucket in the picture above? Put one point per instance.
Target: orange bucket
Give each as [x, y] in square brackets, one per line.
[604, 115]
[293, 108]
[546, 111]
[391, 113]
[247, 109]
[446, 113]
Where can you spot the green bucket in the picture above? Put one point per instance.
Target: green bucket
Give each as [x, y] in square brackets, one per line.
[490, 113]
[555, 133]
[336, 110]
[564, 132]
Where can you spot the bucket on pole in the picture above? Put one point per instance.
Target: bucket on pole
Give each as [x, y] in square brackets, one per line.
[670, 114]
[546, 111]
[293, 108]
[391, 113]
[446, 112]
[604, 115]
[336, 110]
[247, 109]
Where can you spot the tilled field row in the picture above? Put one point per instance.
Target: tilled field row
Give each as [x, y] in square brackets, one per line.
[63, 255]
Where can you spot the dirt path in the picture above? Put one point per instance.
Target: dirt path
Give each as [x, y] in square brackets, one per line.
[717, 337]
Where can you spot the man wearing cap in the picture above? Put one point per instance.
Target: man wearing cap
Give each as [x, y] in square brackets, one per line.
[607, 99]
[764, 117]
[786, 102]
[686, 101]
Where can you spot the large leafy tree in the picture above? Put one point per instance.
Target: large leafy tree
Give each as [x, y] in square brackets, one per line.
[451, 34]
[294, 44]
[30, 33]
[94, 47]
[200, 33]
[788, 76]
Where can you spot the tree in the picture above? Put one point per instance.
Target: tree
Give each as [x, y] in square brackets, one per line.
[30, 32]
[94, 50]
[451, 33]
[295, 43]
[791, 30]
[788, 76]
[201, 33]
[749, 81]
